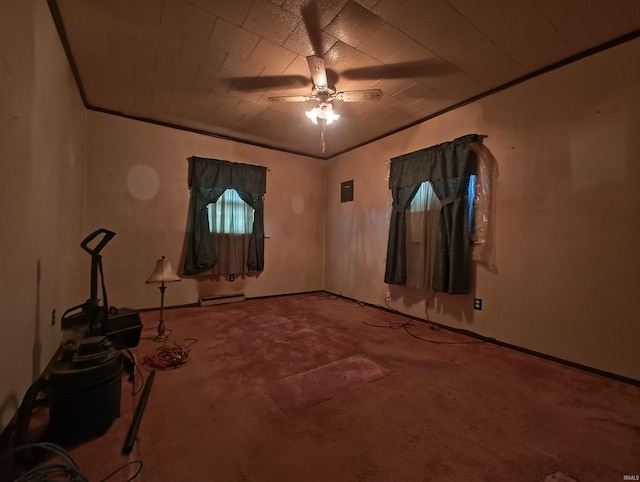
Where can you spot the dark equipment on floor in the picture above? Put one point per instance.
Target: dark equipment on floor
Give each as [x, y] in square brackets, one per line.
[121, 326]
[82, 388]
[83, 394]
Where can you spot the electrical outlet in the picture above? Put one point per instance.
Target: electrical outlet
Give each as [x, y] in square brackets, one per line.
[232, 277]
[477, 303]
[53, 317]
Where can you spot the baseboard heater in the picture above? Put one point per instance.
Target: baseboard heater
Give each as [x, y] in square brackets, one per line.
[218, 300]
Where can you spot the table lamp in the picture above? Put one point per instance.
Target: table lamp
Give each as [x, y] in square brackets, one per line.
[163, 273]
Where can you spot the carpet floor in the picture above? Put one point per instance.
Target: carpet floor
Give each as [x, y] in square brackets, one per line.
[314, 387]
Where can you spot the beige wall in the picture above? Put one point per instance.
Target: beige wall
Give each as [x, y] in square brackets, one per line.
[567, 207]
[137, 187]
[42, 159]
[567, 202]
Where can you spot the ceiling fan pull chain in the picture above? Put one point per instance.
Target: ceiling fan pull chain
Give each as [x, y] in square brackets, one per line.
[322, 144]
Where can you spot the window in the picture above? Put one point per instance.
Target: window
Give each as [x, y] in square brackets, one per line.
[231, 223]
[230, 214]
[447, 167]
[225, 229]
[423, 217]
[471, 196]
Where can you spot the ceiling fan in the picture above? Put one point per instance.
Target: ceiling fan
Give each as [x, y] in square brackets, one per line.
[325, 95]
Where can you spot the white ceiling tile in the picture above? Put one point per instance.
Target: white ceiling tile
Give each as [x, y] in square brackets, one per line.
[202, 55]
[146, 11]
[458, 87]
[193, 94]
[157, 38]
[354, 24]
[87, 27]
[386, 42]
[531, 41]
[587, 24]
[237, 66]
[273, 58]
[410, 53]
[235, 11]
[393, 86]
[187, 20]
[490, 66]
[168, 63]
[432, 104]
[219, 98]
[417, 92]
[270, 21]
[300, 43]
[368, 3]
[230, 38]
[342, 56]
[225, 116]
[460, 44]
[325, 10]
[139, 56]
[250, 108]
[427, 21]
[210, 78]
[485, 14]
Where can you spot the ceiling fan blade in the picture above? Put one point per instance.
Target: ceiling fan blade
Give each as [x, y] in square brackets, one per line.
[269, 82]
[318, 72]
[291, 98]
[359, 95]
[311, 19]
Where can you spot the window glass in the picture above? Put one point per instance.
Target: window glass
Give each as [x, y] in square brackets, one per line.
[230, 214]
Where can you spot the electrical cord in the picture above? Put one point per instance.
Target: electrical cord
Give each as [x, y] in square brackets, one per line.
[428, 302]
[124, 466]
[433, 326]
[441, 342]
[168, 357]
[393, 326]
[68, 470]
[65, 471]
[405, 325]
[136, 368]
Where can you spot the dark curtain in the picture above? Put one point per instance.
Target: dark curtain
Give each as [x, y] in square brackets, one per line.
[447, 167]
[208, 180]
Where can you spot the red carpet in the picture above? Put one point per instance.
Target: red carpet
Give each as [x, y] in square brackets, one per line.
[311, 387]
[299, 388]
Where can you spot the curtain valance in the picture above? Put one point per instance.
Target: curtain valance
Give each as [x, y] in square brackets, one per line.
[214, 173]
[448, 160]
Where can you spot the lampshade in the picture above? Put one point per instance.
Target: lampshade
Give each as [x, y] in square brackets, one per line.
[163, 273]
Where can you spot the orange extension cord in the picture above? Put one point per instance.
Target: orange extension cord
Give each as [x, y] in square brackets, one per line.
[167, 357]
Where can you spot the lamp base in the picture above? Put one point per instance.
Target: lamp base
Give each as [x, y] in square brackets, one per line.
[161, 336]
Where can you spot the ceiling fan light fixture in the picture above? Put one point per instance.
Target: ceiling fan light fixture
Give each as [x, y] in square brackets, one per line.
[323, 111]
